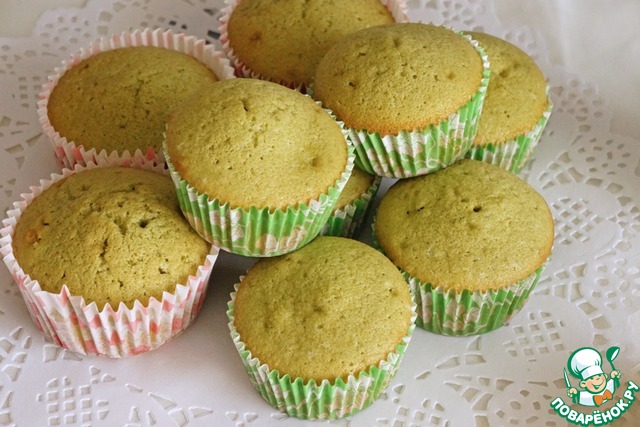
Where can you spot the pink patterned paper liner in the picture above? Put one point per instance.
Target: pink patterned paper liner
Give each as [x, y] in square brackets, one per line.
[398, 9]
[67, 153]
[73, 324]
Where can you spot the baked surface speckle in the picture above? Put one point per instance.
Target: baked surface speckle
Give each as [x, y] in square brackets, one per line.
[516, 97]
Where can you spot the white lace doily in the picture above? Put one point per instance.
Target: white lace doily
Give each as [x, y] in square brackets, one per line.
[589, 294]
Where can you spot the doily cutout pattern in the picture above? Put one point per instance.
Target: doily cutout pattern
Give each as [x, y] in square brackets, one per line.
[589, 294]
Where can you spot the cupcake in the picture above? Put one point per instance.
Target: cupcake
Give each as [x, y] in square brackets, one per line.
[410, 95]
[471, 240]
[322, 330]
[110, 101]
[105, 261]
[516, 107]
[353, 204]
[258, 167]
[283, 41]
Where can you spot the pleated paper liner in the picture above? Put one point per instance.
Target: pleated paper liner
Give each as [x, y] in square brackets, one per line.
[398, 9]
[513, 154]
[322, 401]
[256, 231]
[67, 152]
[68, 321]
[453, 313]
[421, 151]
[448, 312]
[347, 221]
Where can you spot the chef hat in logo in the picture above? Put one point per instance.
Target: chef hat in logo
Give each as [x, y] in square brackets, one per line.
[585, 363]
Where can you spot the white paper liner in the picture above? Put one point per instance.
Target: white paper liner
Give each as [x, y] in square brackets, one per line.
[67, 153]
[397, 8]
[113, 332]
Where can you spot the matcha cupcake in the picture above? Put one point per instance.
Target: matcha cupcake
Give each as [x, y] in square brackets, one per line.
[283, 41]
[353, 204]
[110, 101]
[471, 240]
[322, 330]
[410, 95]
[258, 167]
[516, 108]
[105, 261]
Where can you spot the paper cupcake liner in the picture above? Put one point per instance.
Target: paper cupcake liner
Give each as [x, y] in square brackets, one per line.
[397, 8]
[346, 222]
[513, 154]
[448, 312]
[421, 151]
[464, 313]
[318, 401]
[257, 232]
[71, 323]
[67, 153]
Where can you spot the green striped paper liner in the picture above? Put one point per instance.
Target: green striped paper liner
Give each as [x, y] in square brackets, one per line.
[421, 151]
[513, 154]
[324, 401]
[347, 221]
[256, 231]
[448, 312]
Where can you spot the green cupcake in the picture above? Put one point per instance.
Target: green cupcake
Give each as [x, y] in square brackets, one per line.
[322, 330]
[515, 110]
[410, 95]
[258, 167]
[471, 240]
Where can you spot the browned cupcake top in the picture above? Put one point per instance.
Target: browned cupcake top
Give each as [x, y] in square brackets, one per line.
[251, 143]
[358, 184]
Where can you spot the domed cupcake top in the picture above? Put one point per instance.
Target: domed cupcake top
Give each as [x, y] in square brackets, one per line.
[254, 143]
[398, 77]
[516, 97]
[110, 235]
[284, 41]
[119, 99]
[469, 226]
[326, 311]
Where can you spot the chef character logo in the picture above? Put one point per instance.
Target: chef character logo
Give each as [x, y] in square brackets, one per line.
[585, 364]
[595, 389]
